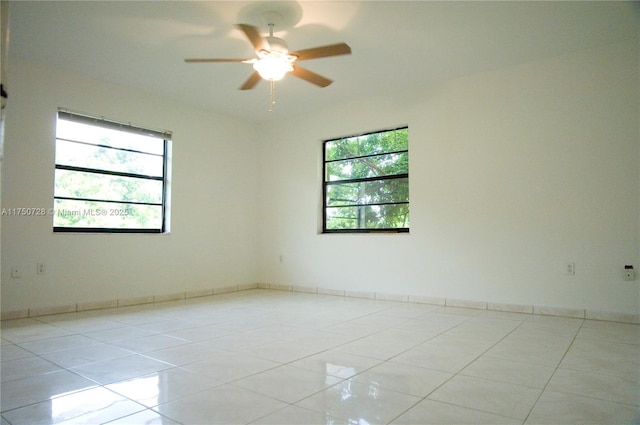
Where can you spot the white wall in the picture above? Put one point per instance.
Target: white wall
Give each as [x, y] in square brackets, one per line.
[214, 186]
[513, 173]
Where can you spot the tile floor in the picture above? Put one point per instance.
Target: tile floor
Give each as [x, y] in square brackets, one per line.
[273, 357]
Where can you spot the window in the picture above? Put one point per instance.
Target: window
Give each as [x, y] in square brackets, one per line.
[366, 182]
[109, 177]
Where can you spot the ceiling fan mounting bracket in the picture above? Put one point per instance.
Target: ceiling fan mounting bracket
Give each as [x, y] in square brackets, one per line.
[271, 19]
[284, 14]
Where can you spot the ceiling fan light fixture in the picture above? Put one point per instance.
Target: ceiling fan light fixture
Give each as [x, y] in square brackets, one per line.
[273, 67]
[274, 60]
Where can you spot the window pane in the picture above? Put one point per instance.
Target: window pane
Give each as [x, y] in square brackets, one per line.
[96, 197]
[366, 182]
[370, 144]
[368, 217]
[372, 166]
[91, 156]
[97, 135]
[78, 184]
[369, 192]
[83, 214]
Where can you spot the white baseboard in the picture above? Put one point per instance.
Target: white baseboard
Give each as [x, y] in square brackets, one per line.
[123, 302]
[418, 299]
[449, 302]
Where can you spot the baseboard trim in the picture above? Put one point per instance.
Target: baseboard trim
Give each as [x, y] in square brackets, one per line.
[311, 290]
[451, 302]
[123, 302]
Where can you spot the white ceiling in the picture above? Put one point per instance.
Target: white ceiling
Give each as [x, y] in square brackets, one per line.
[397, 46]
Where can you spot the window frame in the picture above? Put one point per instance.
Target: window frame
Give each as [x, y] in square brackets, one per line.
[326, 183]
[165, 136]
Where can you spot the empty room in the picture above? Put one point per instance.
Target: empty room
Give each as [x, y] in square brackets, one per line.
[320, 212]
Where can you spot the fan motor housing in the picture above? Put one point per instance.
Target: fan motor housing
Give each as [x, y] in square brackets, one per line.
[277, 45]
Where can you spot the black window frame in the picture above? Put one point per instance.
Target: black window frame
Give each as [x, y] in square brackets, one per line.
[326, 184]
[127, 127]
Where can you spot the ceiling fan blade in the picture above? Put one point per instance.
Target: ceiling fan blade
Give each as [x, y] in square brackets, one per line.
[323, 51]
[254, 36]
[215, 60]
[251, 81]
[311, 77]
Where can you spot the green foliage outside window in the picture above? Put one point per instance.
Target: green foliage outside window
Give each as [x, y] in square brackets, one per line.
[367, 182]
[107, 179]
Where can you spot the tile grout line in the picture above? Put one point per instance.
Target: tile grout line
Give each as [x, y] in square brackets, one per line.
[458, 372]
[332, 346]
[554, 372]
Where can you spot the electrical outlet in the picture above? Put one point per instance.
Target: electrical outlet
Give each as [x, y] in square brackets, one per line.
[570, 269]
[16, 272]
[629, 274]
[40, 268]
[281, 259]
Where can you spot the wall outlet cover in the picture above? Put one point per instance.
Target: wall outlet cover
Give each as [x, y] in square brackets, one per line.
[16, 272]
[570, 269]
[629, 274]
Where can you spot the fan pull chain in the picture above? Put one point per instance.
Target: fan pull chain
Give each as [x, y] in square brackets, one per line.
[272, 95]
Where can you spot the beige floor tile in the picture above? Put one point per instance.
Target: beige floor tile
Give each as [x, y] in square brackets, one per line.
[146, 417]
[444, 353]
[404, 378]
[245, 357]
[10, 351]
[149, 343]
[559, 408]
[62, 343]
[336, 363]
[623, 333]
[26, 330]
[519, 373]
[162, 387]
[118, 334]
[227, 367]
[26, 367]
[513, 401]
[603, 358]
[294, 415]
[220, 405]
[185, 354]
[93, 406]
[360, 403]
[114, 370]
[86, 355]
[532, 347]
[287, 383]
[377, 347]
[434, 412]
[35, 389]
[621, 389]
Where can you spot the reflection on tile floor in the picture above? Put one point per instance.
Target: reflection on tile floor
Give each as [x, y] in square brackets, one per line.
[273, 357]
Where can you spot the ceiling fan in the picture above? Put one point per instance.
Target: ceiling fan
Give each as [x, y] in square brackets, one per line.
[274, 60]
